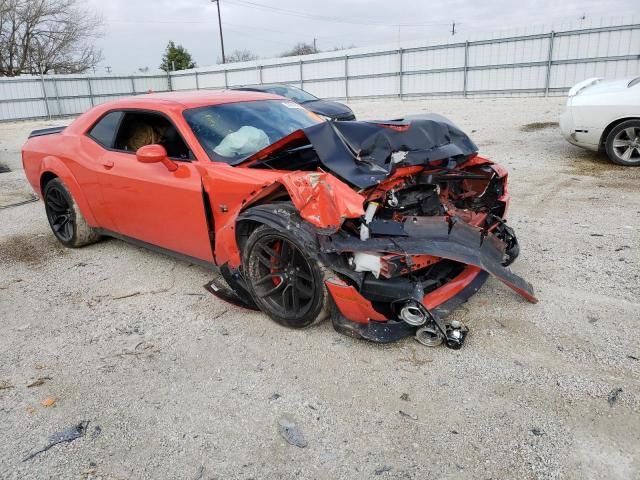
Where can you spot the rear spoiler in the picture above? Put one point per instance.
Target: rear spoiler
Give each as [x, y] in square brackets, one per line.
[46, 131]
[578, 87]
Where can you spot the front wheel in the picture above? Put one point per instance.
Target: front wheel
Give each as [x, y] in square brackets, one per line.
[623, 143]
[65, 218]
[285, 281]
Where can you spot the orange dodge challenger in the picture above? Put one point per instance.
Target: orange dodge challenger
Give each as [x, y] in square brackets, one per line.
[383, 226]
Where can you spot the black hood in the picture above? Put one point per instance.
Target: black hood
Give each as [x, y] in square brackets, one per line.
[365, 153]
[327, 108]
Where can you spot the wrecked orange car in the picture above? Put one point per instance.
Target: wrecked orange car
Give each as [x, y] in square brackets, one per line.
[383, 226]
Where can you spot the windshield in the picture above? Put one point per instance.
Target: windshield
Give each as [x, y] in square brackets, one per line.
[293, 93]
[235, 131]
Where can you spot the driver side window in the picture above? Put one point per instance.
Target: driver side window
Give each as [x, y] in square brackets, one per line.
[138, 129]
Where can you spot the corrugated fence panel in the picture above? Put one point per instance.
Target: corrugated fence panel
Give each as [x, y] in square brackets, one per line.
[73, 106]
[327, 89]
[388, 63]
[10, 89]
[72, 87]
[111, 86]
[244, 77]
[156, 84]
[566, 75]
[211, 80]
[370, 87]
[285, 73]
[183, 82]
[509, 63]
[433, 59]
[23, 109]
[323, 69]
[425, 83]
[521, 78]
[533, 50]
[602, 44]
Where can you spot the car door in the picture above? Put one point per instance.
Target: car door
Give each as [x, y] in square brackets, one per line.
[146, 201]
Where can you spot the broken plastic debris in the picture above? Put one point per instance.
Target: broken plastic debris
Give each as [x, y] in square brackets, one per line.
[67, 435]
[613, 396]
[49, 402]
[291, 433]
[408, 415]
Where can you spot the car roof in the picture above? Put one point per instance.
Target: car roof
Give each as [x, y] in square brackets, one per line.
[192, 98]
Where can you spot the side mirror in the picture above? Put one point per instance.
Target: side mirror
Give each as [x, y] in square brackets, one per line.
[155, 154]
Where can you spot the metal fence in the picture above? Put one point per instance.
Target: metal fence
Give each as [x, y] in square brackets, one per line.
[538, 63]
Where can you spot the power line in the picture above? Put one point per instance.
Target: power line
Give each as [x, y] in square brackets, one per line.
[285, 11]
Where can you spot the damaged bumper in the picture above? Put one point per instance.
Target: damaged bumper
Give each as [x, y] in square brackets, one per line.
[386, 309]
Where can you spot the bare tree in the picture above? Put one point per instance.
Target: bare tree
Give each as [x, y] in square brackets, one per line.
[240, 56]
[338, 48]
[300, 48]
[41, 36]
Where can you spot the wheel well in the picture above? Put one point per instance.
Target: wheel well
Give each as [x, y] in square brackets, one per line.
[245, 227]
[611, 126]
[46, 178]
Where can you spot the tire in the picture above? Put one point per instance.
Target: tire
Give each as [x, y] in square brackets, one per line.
[65, 219]
[623, 144]
[285, 281]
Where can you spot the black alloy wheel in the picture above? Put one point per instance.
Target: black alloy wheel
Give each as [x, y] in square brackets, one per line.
[286, 283]
[60, 212]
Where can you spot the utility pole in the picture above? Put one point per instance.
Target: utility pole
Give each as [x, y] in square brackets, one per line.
[315, 47]
[217, 2]
[453, 28]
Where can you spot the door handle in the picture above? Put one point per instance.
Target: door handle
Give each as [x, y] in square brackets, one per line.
[108, 164]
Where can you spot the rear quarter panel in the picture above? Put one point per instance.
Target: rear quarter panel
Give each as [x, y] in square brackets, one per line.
[57, 154]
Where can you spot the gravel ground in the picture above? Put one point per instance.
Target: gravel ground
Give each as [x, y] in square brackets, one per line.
[178, 384]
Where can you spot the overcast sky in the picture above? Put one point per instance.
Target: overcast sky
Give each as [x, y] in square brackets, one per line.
[137, 31]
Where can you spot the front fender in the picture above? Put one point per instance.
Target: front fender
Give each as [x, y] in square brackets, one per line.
[320, 198]
[51, 164]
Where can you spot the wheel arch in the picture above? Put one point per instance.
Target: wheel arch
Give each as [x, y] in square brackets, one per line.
[53, 167]
[252, 217]
[611, 126]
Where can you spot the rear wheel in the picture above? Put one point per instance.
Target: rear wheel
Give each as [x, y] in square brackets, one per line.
[66, 221]
[285, 281]
[623, 143]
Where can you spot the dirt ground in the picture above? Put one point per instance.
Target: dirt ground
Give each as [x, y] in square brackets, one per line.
[178, 384]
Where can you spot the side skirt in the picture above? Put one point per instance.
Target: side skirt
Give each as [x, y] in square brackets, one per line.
[156, 248]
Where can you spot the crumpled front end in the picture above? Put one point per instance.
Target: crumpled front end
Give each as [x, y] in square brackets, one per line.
[427, 242]
[417, 232]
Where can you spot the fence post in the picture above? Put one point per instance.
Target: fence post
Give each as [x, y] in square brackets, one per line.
[226, 79]
[169, 84]
[260, 73]
[346, 77]
[55, 90]
[133, 85]
[466, 67]
[197, 82]
[400, 90]
[44, 93]
[301, 75]
[552, 35]
[90, 91]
